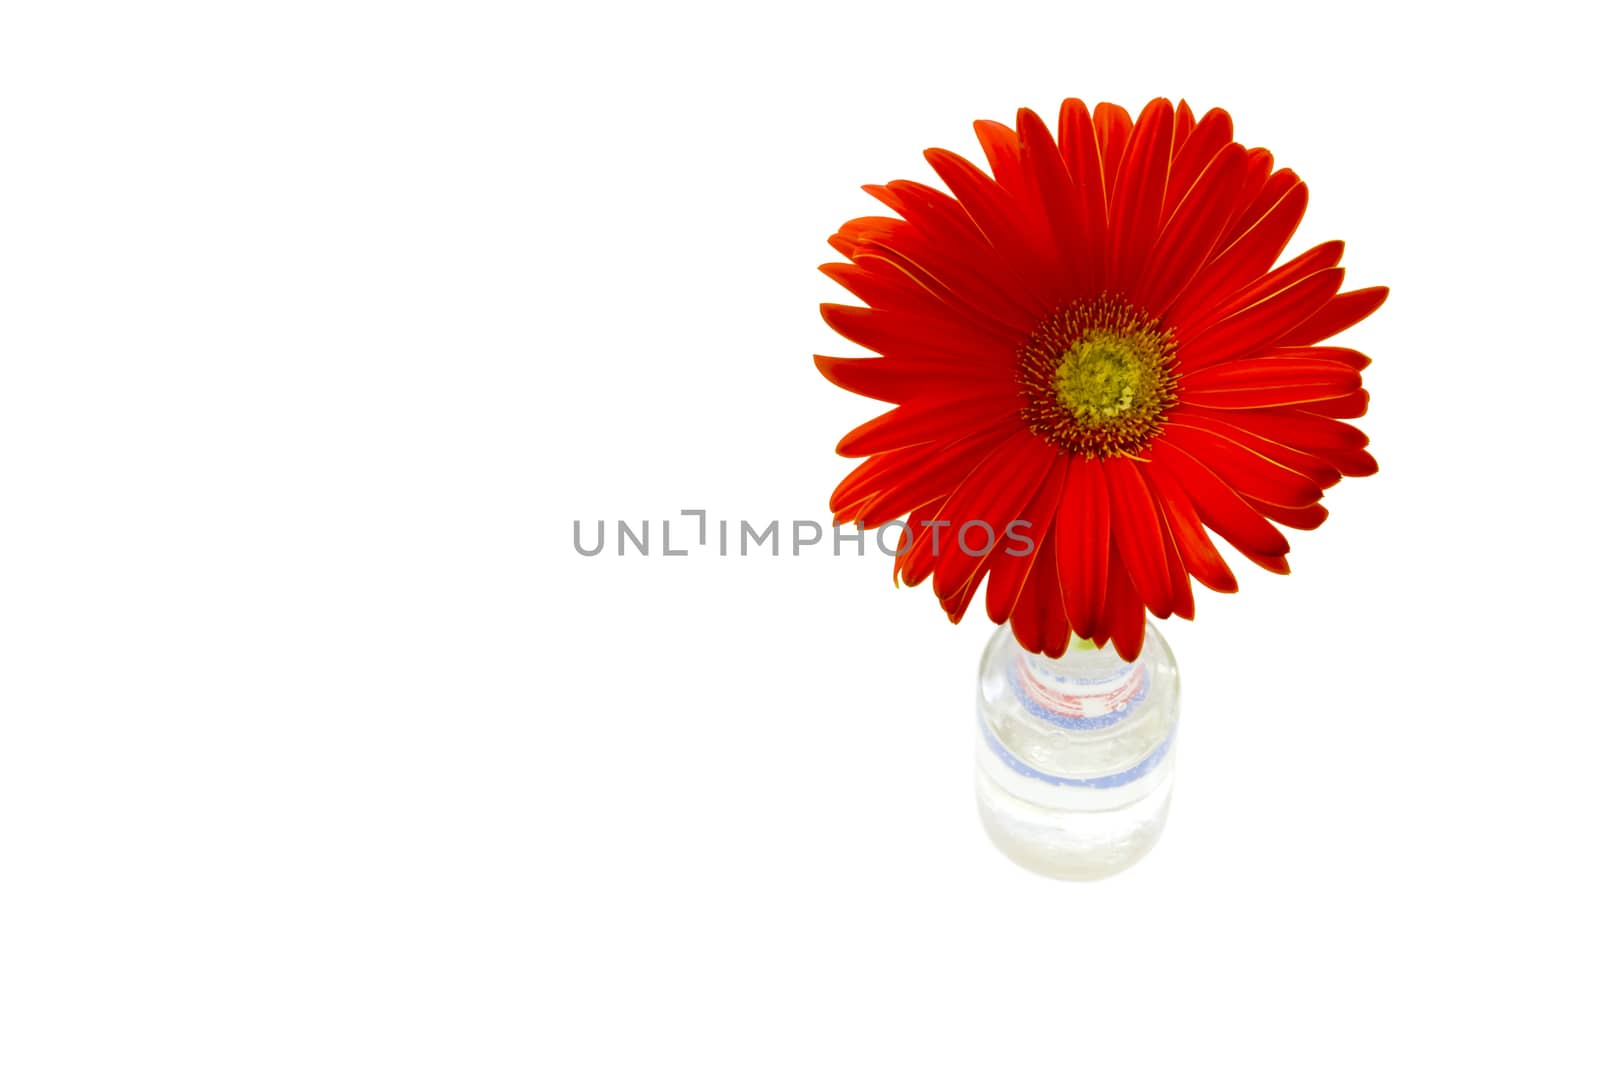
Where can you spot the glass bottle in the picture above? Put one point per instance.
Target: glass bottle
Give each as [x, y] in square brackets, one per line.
[1075, 755]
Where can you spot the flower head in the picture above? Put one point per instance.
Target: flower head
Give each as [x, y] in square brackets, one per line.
[1093, 349]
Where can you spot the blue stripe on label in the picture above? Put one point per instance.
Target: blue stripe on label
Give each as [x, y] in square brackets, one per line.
[1108, 781]
[1096, 722]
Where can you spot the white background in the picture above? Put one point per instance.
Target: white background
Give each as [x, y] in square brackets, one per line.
[319, 743]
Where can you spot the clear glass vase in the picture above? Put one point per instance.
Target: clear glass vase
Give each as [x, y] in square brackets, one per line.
[1075, 755]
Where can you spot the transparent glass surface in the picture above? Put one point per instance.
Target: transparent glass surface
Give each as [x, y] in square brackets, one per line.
[1075, 755]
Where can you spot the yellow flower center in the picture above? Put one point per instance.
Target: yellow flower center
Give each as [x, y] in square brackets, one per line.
[1097, 378]
[1100, 376]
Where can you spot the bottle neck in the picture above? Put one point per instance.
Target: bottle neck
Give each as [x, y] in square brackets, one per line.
[1087, 688]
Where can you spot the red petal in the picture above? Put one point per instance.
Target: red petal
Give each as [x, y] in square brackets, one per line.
[1249, 331]
[1182, 123]
[1348, 356]
[1136, 531]
[882, 285]
[955, 607]
[1080, 149]
[997, 216]
[1219, 506]
[1261, 194]
[869, 228]
[1177, 573]
[963, 286]
[1002, 151]
[1267, 382]
[1200, 556]
[993, 494]
[1246, 258]
[945, 249]
[1055, 630]
[1246, 471]
[1061, 205]
[1112, 126]
[1354, 463]
[1196, 152]
[1298, 429]
[886, 486]
[1038, 620]
[914, 529]
[898, 379]
[1320, 258]
[896, 333]
[1140, 189]
[1125, 609]
[1275, 564]
[913, 424]
[1187, 242]
[1341, 313]
[1324, 474]
[1007, 572]
[1348, 406]
[1306, 518]
[1084, 542]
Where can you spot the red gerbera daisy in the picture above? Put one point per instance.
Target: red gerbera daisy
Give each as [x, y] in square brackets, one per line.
[1094, 342]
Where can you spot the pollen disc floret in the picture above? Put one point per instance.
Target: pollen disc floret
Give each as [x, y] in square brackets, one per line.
[1097, 378]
